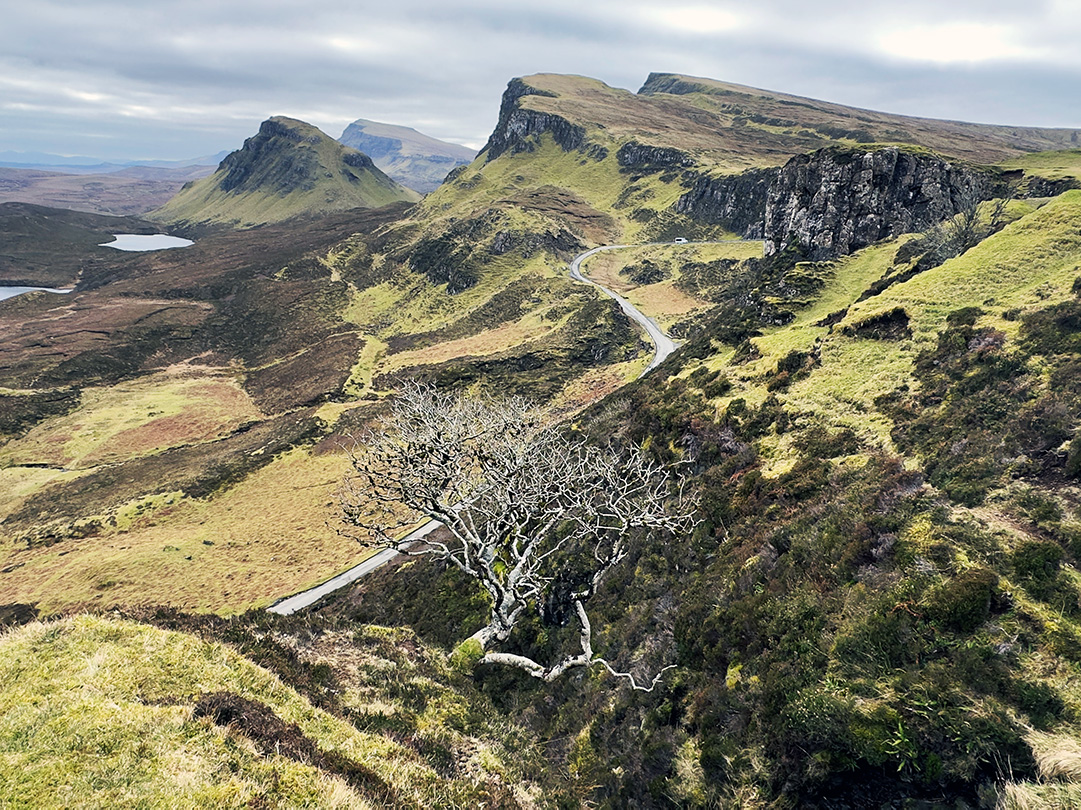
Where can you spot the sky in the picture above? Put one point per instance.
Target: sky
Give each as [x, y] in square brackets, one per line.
[176, 79]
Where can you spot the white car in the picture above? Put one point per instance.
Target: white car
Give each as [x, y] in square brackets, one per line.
[679, 240]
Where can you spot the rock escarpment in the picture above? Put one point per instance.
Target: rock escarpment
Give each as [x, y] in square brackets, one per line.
[641, 158]
[736, 201]
[264, 163]
[519, 128]
[835, 201]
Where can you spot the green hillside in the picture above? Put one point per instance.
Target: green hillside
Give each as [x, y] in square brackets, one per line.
[879, 604]
[98, 712]
[288, 169]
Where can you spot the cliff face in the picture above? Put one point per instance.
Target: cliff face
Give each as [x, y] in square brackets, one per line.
[638, 157]
[833, 202]
[736, 201]
[518, 127]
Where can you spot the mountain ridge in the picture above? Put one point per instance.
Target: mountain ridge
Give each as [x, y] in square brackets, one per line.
[288, 169]
[414, 159]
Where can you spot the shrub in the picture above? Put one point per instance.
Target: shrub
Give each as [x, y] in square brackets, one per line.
[1037, 560]
[964, 603]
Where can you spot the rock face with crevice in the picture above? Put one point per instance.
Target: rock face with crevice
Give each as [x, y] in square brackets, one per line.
[835, 201]
[737, 201]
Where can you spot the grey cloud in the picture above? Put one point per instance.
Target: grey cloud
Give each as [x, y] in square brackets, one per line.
[210, 71]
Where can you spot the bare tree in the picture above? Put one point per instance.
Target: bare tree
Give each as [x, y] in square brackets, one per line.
[975, 221]
[536, 518]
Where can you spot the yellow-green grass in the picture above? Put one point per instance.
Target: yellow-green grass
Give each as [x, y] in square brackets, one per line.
[596, 384]
[526, 330]
[424, 308]
[176, 407]
[19, 483]
[360, 378]
[1052, 165]
[663, 301]
[96, 712]
[1031, 263]
[266, 537]
[411, 304]
[599, 183]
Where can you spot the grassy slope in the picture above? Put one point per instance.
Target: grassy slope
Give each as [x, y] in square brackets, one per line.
[263, 538]
[663, 300]
[112, 466]
[889, 685]
[407, 325]
[98, 712]
[1055, 165]
[804, 124]
[843, 630]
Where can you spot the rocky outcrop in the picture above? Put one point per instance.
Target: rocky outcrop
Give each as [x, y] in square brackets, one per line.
[639, 157]
[738, 202]
[275, 142]
[835, 201]
[519, 128]
[1033, 186]
[559, 241]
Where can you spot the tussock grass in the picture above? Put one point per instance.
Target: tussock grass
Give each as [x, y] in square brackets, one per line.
[1058, 755]
[1036, 796]
[97, 712]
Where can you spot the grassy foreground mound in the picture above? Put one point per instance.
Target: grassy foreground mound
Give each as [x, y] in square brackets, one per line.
[104, 712]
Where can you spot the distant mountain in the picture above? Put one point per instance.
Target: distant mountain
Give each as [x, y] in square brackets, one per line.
[410, 157]
[65, 164]
[288, 169]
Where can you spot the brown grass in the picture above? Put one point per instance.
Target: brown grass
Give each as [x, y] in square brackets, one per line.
[226, 554]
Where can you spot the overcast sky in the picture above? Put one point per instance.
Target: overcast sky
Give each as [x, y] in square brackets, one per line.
[143, 79]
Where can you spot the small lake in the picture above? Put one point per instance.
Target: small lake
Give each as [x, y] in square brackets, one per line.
[11, 292]
[137, 242]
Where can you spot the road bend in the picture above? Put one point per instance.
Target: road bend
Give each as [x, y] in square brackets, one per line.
[663, 346]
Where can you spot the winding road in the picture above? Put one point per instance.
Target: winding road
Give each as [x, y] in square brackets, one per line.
[663, 346]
